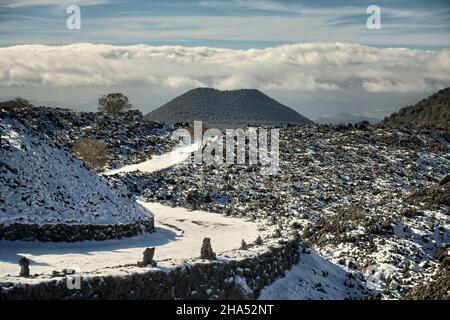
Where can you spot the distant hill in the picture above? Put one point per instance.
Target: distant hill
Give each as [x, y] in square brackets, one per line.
[346, 118]
[434, 110]
[235, 107]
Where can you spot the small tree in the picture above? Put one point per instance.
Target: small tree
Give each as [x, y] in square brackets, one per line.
[93, 152]
[114, 103]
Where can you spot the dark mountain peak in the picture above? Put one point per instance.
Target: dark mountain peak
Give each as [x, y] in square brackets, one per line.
[228, 106]
[208, 89]
[216, 93]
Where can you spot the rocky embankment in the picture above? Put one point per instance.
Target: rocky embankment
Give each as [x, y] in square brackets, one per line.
[240, 275]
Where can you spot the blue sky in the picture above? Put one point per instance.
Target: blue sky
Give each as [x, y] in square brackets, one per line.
[236, 24]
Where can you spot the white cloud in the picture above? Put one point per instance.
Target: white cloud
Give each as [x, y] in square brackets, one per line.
[290, 68]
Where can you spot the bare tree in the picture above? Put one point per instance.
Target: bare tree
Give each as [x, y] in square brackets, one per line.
[114, 103]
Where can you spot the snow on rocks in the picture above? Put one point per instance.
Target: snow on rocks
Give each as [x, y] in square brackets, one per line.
[361, 196]
[191, 279]
[179, 237]
[315, 278]
[371, 201]
[44, 189]
[225, 233]
[177, 240]
[130, 137]
[175, 245]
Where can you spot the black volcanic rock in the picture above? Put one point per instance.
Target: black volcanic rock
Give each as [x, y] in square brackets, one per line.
[236, 106]
[434, 111]
[130, 137]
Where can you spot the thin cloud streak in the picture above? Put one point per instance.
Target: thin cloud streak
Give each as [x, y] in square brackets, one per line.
[258, 22]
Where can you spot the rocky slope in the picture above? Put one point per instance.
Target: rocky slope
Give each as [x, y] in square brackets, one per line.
[129, 136]
[438, 287]
[432, 111]
[45, 190]
[234, 107]
[355, 194]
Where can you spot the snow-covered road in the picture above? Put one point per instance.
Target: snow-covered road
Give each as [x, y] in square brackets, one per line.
[157, 163]
[179, 236]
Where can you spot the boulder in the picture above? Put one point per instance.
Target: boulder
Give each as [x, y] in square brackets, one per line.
[24, 264]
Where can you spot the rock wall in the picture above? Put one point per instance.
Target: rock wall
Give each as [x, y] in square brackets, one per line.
[72, 233]
[241, 279]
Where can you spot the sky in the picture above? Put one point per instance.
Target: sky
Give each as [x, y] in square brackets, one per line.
[318, 57]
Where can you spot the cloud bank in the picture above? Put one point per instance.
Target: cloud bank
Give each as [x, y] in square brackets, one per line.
[298, 67]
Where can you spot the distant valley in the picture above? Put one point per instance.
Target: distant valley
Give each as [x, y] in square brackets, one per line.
[346, 118]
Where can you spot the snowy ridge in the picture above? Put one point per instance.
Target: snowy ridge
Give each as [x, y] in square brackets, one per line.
[44, 184]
